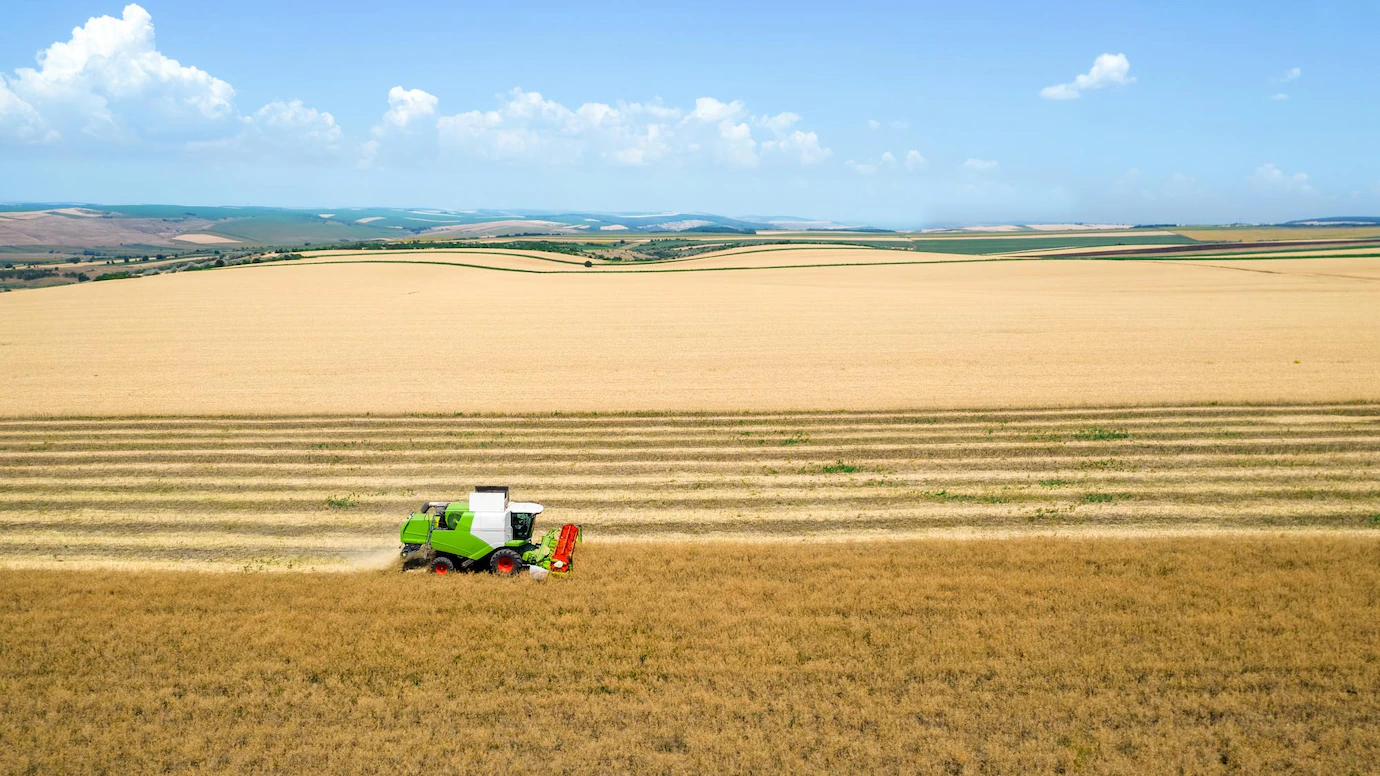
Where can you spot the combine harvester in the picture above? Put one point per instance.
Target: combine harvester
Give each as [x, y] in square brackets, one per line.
[487, 533]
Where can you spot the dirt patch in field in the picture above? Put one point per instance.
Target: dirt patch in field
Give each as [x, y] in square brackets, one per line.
[206, 239]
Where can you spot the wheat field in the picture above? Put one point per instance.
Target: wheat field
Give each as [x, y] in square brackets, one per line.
[1261, 234]
[389, 338]
[322, 492]
[1191, 655]
[962, 517]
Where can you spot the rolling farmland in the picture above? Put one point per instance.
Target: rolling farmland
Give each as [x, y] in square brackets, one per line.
[854, 507]
[388, 337]
[953, 391]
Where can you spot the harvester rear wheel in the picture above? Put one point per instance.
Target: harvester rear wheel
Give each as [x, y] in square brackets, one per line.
[442, 565]
[505, 562]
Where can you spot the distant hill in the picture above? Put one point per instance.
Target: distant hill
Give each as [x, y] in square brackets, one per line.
[36, 227]
[1337, 221]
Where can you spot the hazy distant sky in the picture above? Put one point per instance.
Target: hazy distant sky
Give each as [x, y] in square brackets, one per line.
[889, 113]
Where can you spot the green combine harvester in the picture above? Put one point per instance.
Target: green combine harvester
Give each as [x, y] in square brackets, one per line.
[487, 533]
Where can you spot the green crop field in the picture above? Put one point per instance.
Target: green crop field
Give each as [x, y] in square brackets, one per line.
[1006, 245]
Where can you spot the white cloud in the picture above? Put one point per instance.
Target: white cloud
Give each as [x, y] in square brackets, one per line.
[803, 145]
[914, 160]
[708, 109]
[1280, 97]
[1107, 70]
[737, 146]
[18, 118]
[297, 123]
[1270, 179]
[888, 159]
[406, 106]
[861, 168]
[781, 122]
[1292, 74]
[900, 125]
[528, 127]
[525, 125]
[109, 81]
[874, 124]
[280, 129]
[980, 165]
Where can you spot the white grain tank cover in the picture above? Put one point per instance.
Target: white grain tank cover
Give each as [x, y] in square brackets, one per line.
[490, 507]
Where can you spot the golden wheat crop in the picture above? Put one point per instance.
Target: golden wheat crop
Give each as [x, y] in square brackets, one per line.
[329, 491]
[1278, 233]
[383, 337]
[1201, 655]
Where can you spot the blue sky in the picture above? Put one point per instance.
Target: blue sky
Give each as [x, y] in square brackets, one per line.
[896, 114]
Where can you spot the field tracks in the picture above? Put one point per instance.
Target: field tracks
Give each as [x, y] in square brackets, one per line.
[328, 491]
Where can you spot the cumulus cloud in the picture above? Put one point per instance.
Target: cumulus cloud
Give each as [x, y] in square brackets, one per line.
[874, 124]
[861, 168]
[283, 129]
[781, 122]
[980, 165]
[1107, 70]
[406, 106]
[914, 160]
[299, 123]
[1292, 74]
[109, 84]
[709, 109]
[526, 126]
[1280, 97]
[19, 119]
[804, 147]
[1269, 179]
[109, 81]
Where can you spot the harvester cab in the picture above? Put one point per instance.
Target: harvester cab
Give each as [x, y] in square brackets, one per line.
[486, 533]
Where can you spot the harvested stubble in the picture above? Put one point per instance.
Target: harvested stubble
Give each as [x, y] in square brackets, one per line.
[322, 491]
[1243, 654]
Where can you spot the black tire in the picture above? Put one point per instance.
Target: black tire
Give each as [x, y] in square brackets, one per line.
[505, 562]
[442, 565]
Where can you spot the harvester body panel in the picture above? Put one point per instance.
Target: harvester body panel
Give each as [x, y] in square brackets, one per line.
[417, 528]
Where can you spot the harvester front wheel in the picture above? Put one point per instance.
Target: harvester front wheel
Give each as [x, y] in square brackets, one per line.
[505, 562]
[442, 565]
